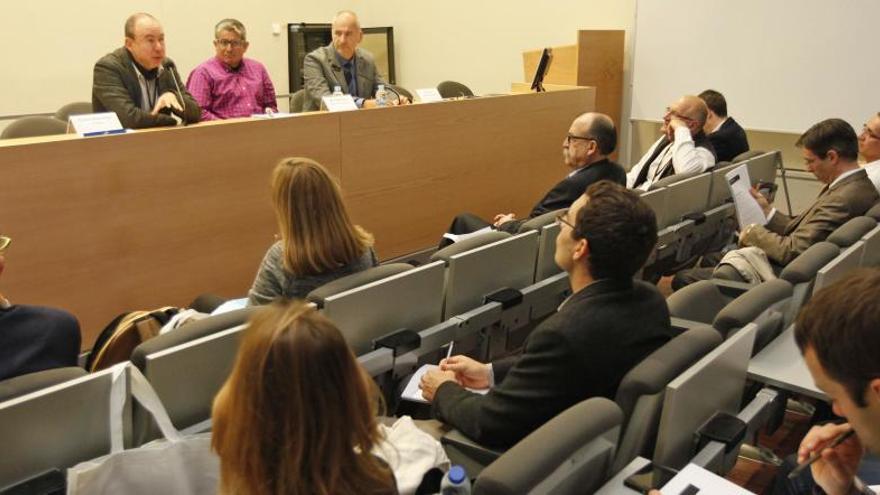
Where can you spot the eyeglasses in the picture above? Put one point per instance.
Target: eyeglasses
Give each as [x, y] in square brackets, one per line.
[232, 43]
[868, 132]
[569, 137]
[561, 218]
[4, 242]
[672, 113]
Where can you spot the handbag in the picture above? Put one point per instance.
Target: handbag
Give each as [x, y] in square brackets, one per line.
[175, 463]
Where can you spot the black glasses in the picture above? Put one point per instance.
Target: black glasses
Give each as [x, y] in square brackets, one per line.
[569, 137]
[232, 43]
[561, 218]
[673, 113]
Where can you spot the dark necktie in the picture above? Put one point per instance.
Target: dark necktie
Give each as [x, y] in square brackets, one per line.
[349, 78]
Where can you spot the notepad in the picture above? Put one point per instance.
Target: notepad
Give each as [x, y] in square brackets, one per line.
[413, 393]
[705, 482]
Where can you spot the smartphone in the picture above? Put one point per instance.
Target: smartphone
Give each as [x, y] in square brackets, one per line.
[651, 477]
[767, 189]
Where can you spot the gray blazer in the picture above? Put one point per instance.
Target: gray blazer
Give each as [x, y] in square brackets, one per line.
[322, 71]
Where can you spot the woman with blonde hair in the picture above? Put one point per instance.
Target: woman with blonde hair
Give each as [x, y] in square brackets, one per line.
[297, 413]
[318, 242]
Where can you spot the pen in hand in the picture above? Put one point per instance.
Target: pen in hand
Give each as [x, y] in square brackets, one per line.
[818, 453]
[449, 351]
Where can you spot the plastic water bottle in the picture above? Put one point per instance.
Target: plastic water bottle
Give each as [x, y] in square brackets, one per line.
[455, 482]
[337, 90]
[381, 96]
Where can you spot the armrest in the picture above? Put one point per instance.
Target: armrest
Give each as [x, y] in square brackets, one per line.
[683, 324]
[478, 453]
[732, 288]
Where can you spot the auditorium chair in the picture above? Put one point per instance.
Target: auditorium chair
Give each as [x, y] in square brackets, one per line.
[874, 212]
[33, 127]
[75, 108]
[548, 229]
[801, 274]
[297, 99]
[31, 382]
[747, 155]
[400, 90]
[853, 230]
[349, 282]
[640, 395]
[672, 179]
[452, 89]
[576, 451]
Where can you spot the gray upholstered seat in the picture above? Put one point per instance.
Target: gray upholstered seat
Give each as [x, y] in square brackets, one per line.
[31, 382]
[847, 234]
[672, 179]
[297, 100]
[75, 108]
[400, 90]
[33, 126]
[539, 221]
[583, 438]
[452, 89]
[468, 244]
[700, 302]
[765, 305]
[349, 282]
[745, 155]
[640, 395]
[801, 273]
[874, 212]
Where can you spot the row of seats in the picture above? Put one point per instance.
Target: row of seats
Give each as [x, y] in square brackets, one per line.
[44, 126]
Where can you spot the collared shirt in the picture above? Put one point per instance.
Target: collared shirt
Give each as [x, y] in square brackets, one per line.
[149, 90]
[352, 62]
[225, 93]
[719, 124]
[873, 171]
[685, 156]
[838, 179]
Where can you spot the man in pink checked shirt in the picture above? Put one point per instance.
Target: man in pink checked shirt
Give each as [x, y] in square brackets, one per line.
[229, 85]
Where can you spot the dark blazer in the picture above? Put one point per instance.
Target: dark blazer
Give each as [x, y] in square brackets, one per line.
[570, 188]
[784, 237]
[321, 71]
[582, 351]
[115, 88]
[34, 338]
[729, 140]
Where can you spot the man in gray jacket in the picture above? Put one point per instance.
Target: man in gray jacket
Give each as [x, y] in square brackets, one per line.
[138, 83]
[343, 64]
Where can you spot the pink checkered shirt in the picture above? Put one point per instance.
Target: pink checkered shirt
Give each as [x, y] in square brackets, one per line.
[224, 93]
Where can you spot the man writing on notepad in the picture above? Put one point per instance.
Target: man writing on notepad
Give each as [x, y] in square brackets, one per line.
[607, 326]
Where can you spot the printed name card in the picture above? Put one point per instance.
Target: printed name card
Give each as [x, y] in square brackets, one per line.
[339, 103]
[429, 95]
[96, 124]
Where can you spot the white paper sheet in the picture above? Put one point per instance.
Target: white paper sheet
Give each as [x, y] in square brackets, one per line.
[339, 103]
[429, 95]
[706, 483]
[461, 237]
[412, 392]
[748, 211]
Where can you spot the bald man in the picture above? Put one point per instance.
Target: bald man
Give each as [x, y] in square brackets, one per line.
[139, 83]
[683, 147]
[343, 64]
[585, 149]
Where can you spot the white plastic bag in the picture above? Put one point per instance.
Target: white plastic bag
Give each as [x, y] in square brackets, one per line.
[410, 452]
[170, 465]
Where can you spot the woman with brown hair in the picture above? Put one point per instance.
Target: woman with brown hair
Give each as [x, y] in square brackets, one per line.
[318, 242]
[297, 414]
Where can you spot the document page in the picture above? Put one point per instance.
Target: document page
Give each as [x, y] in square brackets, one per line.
[693, 480]
[748, 211]
[412, 392]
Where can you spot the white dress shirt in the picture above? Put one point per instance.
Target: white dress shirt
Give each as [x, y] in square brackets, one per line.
[873, 170]
[682, 152]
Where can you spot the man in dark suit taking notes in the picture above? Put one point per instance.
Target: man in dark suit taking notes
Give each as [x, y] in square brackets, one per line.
[607, 326]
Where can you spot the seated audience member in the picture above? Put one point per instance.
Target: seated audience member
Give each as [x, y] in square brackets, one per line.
[343, 64]
[138, 83]
[683, 147]
[229, 85]
[869, 147]
[727, 137]
[837, 333]
[297, 413]
[318, 241]
[591, 138]
[830, 151]
[34, 338]
[607, 326]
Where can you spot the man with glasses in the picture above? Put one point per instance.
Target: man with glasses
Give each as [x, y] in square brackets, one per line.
[683, 148]
[585, 149]
[34, 338]
[138, 83]
[343, 64]
[229, 85]
[869, 148]
[609, 324]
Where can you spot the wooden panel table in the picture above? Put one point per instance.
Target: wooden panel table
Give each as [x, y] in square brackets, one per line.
[151, 218]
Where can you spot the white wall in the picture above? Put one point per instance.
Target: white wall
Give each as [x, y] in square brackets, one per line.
[51, 46]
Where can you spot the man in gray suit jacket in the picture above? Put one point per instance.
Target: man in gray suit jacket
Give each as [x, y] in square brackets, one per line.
[608, 325]
[343, 64]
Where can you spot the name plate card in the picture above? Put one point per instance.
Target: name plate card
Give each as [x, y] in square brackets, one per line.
[429, 95]
[96, 124]
[339, 103]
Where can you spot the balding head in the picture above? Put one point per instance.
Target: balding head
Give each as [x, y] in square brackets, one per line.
[346, 32]
[688, 111]
[591, 137]
[145, 40]
[132, 21]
